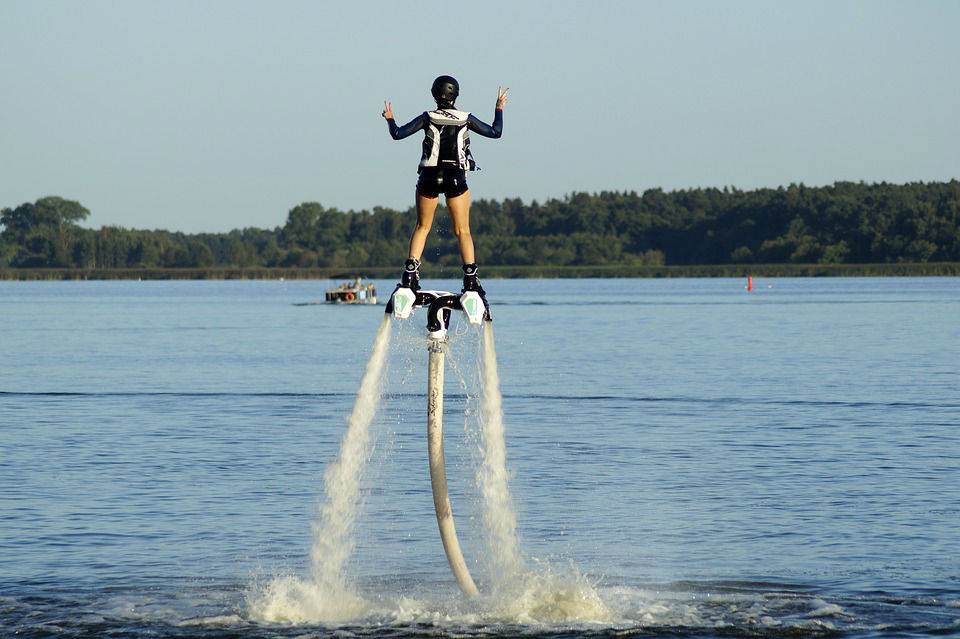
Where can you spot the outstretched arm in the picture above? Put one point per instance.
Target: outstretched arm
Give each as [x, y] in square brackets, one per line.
[484, 129]
[400, 132]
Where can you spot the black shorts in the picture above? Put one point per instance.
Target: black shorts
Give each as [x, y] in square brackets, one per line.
[435, 180]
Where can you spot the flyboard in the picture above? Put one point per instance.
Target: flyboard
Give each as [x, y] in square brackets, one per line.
[440, 305]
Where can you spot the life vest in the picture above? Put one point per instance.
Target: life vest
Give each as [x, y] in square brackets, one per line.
[446, 141]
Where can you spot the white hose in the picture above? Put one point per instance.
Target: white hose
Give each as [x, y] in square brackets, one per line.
[438, 473]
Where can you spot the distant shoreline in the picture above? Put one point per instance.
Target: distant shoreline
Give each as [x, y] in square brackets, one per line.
[928, 269]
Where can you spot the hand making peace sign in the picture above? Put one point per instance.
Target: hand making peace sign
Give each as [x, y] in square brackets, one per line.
[387, 110]
[501, 97]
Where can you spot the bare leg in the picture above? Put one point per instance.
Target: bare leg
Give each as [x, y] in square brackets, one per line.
[460, 218]
[426, 207]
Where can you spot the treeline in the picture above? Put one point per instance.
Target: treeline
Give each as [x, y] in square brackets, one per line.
[846, 223]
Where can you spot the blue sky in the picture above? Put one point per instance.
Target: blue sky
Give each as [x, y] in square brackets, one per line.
[210, 115]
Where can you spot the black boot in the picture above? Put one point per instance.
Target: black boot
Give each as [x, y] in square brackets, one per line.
[411, 275]
[470, 280]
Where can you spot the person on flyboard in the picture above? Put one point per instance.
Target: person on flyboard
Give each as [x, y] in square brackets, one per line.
[443, 165]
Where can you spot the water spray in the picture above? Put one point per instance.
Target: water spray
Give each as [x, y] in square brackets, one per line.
[515, 592]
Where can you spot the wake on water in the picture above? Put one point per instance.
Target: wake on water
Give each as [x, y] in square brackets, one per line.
[516, 594]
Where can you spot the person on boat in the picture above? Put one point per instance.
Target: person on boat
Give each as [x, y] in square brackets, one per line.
[443, 164]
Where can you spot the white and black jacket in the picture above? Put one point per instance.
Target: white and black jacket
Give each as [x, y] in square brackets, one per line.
[446, 141]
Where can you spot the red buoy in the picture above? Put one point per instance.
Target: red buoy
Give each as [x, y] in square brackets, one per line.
[750, 282]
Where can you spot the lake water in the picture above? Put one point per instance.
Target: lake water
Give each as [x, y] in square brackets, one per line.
[686, 458]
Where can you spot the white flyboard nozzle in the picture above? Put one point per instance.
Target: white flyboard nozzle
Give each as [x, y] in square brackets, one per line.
[403, 301]
[473, 306]
[438, 336]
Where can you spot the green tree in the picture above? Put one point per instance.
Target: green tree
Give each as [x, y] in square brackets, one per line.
[43, 232]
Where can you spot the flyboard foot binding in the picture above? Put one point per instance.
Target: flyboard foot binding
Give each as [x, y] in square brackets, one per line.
[405, 296]
[470, 280]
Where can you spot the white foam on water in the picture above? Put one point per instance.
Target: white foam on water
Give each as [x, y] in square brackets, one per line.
[823, 609]
[216, 620]
[328, 596]
[290, 599]
[550, 597]
[700, 610]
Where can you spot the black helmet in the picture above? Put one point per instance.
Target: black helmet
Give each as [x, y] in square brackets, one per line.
[445, 90]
